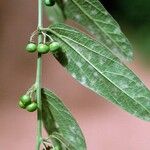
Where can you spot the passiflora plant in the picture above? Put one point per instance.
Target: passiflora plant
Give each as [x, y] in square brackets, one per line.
[95, 58]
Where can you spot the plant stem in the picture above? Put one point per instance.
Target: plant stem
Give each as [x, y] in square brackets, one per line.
[38, 79]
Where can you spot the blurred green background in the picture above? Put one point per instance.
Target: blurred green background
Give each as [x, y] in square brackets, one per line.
[134, 17]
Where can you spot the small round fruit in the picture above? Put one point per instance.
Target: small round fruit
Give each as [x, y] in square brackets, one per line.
[26, 100]
[32, 107]
[21, 105]
[43, 48]
[55, 46]
[49, 2]
[31, 47]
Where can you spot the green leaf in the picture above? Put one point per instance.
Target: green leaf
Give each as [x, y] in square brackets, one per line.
[93, 16]
[61, 5]
[61, 57]
[60, 124]
[95, 67]
[61, 139]
[55, 14]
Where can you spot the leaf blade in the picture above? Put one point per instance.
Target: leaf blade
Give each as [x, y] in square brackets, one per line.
[93, 16]
[64, 124]
[55, 14]
[95, 67]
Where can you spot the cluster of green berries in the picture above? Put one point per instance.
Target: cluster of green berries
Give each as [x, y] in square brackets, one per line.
[26, 103]
[49, 2]
[43, 48]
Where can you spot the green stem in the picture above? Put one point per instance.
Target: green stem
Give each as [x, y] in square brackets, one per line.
[38, 80]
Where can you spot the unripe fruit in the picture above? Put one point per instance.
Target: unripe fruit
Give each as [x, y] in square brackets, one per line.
[26, 100]
[49, 2]
[31, 47]
[55, 46]
[21, 105]
[43, 48]
[32, 107]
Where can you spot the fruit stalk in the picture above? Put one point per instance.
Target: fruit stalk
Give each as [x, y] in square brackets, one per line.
[38, 79]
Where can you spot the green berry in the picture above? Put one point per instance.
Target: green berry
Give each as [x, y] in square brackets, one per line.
[49, 2]
[32, 107]
[31, 47]
[55, 46]
[43, 48]
[26, 100]
[21, 105]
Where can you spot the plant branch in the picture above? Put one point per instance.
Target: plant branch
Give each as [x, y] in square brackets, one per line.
[38, 79]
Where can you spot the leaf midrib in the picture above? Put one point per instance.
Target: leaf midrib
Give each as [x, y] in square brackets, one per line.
[87, 47]
[99, 71]
[92, 50]
[118, 102]
[101, 56]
